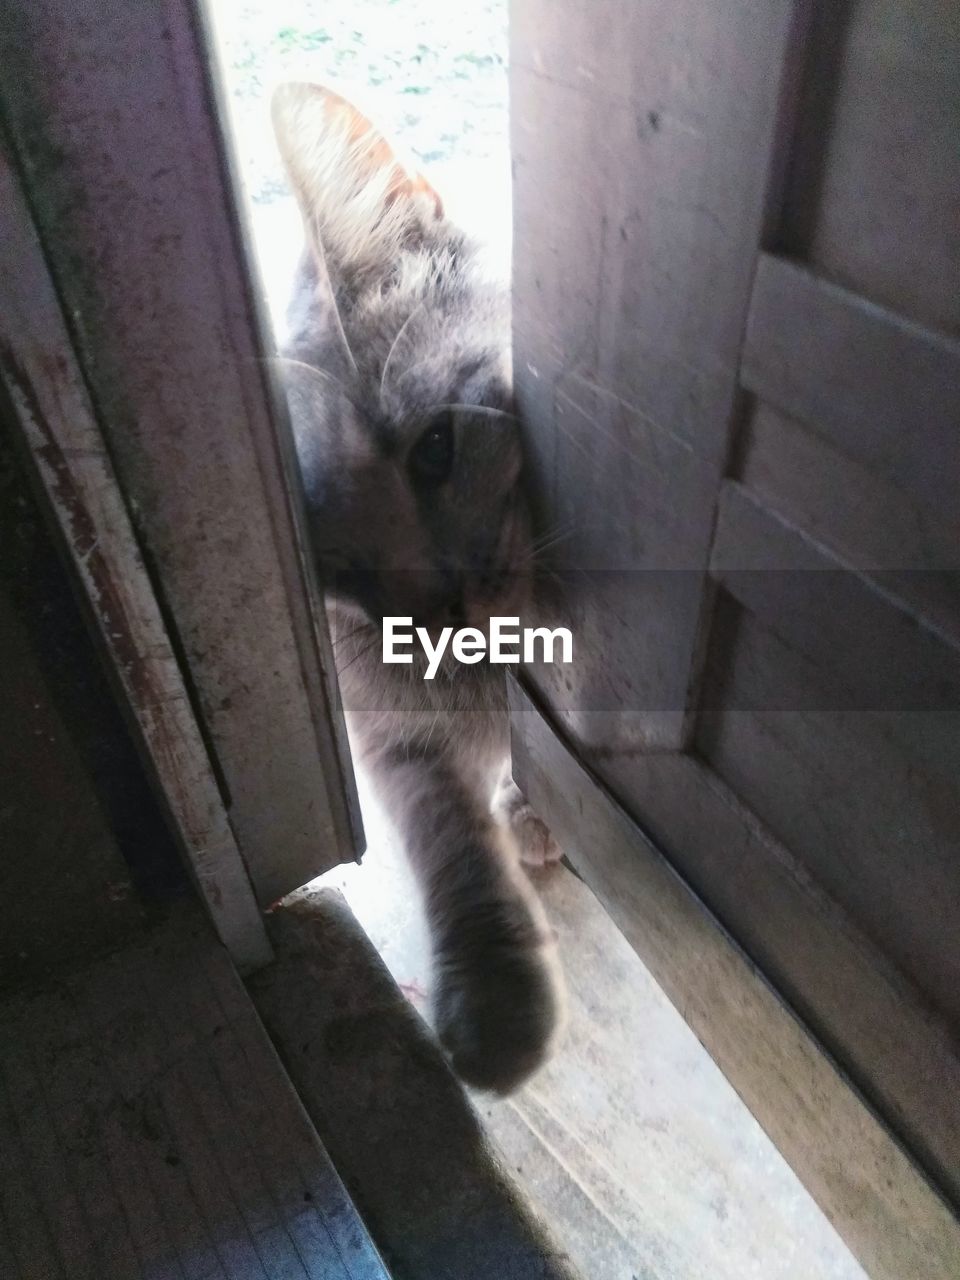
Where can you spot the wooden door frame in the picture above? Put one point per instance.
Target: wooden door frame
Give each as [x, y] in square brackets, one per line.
[68, 455]
[139, 345]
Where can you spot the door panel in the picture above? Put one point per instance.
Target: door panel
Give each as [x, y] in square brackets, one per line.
[909, 548]
[799, 353]
[843, 789]
[883, 390]
[876, 207]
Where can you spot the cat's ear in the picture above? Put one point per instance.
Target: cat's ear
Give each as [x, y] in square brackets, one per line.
[360, 202]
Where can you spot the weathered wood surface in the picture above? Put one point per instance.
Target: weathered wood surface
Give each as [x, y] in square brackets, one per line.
[871, 200]
[910, 550]
[868, 799]
[148, 1131]
[729, 353]
[882, 389]
[57, 420]
[889, 657]
[873, 1192]
[114, 124]
[642, 139]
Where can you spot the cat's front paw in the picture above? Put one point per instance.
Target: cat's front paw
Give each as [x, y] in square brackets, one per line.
[498, 1011]
[535, 844]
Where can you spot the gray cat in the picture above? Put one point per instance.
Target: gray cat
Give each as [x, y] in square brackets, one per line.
[398, 379]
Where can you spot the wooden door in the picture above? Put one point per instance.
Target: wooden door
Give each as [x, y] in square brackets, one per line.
[737, 312]
[134, 353]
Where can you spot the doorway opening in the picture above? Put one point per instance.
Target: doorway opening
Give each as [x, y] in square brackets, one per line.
[630, 1141]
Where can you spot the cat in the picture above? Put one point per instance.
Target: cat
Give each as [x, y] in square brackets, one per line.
[398, 379]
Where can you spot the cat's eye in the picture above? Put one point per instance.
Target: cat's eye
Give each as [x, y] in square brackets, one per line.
[431, 458]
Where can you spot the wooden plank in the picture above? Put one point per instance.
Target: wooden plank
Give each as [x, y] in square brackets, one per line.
[885, 391]
[324, 1224]
[280, 1258]
[206, 1171]
[56, 1079]
[242, 1174]
[137, 1055]
[642, 140]
[902, 1055]
[871, 200]
[32, 1237]
[58, 422]
[909, 550]
[868, 807]
[884, 654]
[130, 186]
[314, 1210]
[122, 1141]
[154, 1244]
[875, 1195]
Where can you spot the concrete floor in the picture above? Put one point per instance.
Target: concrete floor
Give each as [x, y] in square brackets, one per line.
[631, 1142]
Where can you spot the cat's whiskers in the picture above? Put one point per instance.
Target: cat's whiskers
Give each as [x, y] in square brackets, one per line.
[435, 722]
[309, 368]
[364, 626]
[358, 655]
[550, 538]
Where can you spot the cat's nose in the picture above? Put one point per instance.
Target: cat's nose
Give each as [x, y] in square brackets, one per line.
[451, 613]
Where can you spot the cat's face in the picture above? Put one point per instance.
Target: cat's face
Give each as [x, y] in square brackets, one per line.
[398, 381]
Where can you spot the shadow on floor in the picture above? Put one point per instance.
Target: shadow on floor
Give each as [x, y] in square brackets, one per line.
[631, 1142]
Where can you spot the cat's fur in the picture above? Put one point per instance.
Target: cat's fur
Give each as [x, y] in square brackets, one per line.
[391, 323]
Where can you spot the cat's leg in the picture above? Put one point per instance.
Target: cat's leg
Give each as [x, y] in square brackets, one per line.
[536, 845]
[497, 989]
